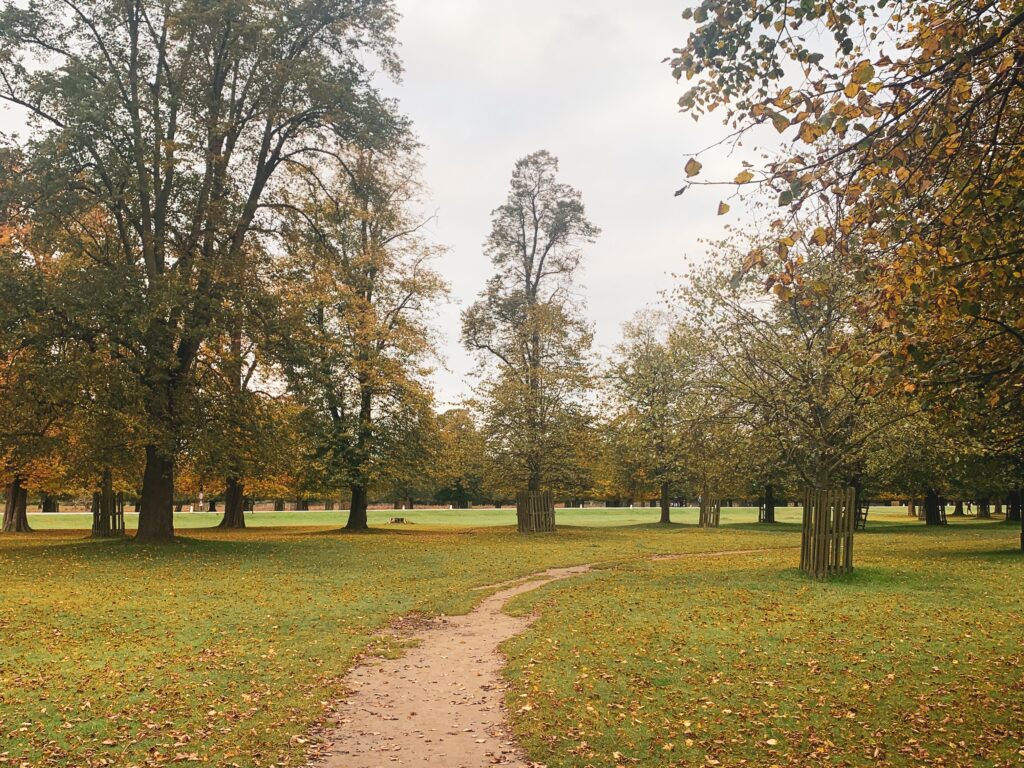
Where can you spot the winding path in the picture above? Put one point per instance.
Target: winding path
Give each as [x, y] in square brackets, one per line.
[441, 704]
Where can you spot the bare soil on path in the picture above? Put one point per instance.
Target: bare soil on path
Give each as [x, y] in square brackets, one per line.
[441, 704]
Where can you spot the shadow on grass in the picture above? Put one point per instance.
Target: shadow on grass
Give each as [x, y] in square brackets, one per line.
[995, 555]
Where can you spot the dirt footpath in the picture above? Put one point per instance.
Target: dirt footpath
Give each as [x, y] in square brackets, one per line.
[441, 703]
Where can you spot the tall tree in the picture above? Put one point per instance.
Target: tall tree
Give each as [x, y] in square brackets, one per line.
[527, 323]
[649, 378]
[174, 119]
[359, 287]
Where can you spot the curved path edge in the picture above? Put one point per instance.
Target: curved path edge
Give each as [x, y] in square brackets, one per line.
[442, 702]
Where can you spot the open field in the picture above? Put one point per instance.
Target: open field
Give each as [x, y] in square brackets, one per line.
[225, 647]
[593, 516]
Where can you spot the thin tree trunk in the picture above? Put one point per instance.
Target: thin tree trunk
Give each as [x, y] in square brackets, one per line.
[984, 511]
[958, 508]
[156, 505]
[666, 517]
[16, 508]
[357, 519]
[769, 503]
[234, 504]
[49, 504]
[279, 505]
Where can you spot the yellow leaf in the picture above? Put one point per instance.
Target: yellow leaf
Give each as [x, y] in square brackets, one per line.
[723, 208]
[851, 90]
[744, 177]
[810, 132]
[692, 167]
[863, 73]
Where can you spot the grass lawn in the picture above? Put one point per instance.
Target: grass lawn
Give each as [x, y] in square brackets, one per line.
[225, 647]
[595, 516]
[915, 659]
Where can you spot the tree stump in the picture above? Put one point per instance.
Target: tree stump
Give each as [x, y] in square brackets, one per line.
[535, 511]
[826, 547]
[710, 511]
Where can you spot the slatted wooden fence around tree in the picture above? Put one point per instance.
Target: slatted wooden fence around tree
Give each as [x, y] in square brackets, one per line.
[827, 541]
[535, 511]
[710, 511]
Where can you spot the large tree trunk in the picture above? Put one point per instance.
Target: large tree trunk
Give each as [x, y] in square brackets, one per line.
[984, 510]
[933, 513]
[1013, 504]
[156, 506]
[234, 504]
[665, 505]
[769, 504]
[16, 508]
[357, 520]
[958, 508]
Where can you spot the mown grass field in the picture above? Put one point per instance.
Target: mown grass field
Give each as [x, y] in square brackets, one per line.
[593, 516]
[225, 648]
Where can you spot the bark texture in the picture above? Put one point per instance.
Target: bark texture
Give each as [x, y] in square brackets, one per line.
[357, 520]
[156, 506]
[234, 504]
[16, 508]
[666, 516]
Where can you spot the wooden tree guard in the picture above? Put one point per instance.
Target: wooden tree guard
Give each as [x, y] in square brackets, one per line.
[827, 541]
[710, 511]
[107, 509]
[535, 511]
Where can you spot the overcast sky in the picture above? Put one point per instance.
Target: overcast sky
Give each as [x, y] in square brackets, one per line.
[487, 83]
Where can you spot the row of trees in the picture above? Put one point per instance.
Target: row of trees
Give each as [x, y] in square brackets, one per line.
[212, 272]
